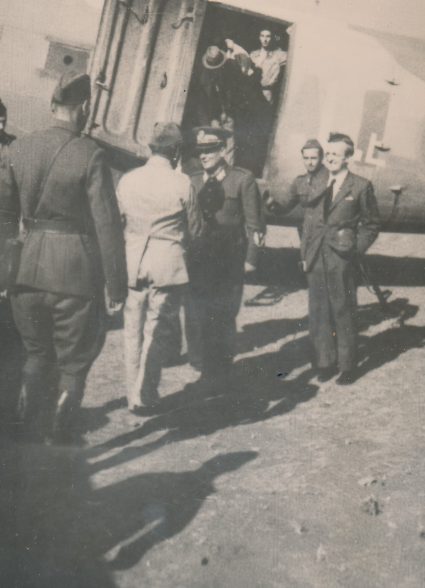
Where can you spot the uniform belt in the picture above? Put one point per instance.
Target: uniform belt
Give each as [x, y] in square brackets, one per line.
[65, 226]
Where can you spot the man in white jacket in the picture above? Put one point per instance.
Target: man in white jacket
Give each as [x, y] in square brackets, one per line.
[160, 215]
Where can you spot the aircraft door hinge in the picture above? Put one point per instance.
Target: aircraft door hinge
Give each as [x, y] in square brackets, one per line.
[164, 81]
[100, 83]
[188, 17]
[127, 4]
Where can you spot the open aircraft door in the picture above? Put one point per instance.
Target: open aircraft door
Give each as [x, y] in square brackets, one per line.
[141, 68]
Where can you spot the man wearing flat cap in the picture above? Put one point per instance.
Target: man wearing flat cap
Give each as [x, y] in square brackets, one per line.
[231, 207]
[72, 245]
[161, 214]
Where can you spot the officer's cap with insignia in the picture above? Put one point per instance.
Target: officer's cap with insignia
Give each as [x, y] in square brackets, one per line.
[208, 139]
[73, 88]
[312, 144]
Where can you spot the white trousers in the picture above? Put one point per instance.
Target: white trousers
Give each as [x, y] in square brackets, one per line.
[150, 316]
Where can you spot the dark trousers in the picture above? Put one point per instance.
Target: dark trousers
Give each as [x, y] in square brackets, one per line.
[10, 361]
[58, 332]
[210, 318]
[332, 308]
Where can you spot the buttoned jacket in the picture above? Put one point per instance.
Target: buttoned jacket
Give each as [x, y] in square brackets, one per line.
[78, 192]
[240, 216]
[351, 226]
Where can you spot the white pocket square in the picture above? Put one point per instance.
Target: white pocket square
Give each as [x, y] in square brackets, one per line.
[349, 198]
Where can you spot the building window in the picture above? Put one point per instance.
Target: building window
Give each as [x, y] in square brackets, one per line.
[62, 57]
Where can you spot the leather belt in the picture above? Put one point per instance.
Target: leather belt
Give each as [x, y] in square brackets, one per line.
[64, 226]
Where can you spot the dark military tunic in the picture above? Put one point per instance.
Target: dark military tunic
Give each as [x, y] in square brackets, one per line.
[10, 346]
[74, 242]
[216, 268]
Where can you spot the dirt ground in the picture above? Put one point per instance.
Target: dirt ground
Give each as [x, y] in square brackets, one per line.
[271, 481]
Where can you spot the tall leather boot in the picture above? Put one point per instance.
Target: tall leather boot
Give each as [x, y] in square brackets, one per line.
[65, 417]
[28, 408]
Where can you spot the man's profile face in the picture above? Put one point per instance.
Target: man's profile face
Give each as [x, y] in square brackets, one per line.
[211, 160]
[336, 159]
[3, 120]
[312, 159]
[265, 38]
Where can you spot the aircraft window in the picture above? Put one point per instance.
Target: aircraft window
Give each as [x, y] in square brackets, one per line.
[237, 82]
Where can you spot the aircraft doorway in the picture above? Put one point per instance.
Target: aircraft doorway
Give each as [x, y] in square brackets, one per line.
[237, 82]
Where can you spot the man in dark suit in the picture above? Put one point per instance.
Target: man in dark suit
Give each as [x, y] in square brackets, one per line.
[73, 243]
[231, 205]
[340, 225]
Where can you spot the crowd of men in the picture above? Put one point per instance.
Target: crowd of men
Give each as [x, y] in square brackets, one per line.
[159, 239]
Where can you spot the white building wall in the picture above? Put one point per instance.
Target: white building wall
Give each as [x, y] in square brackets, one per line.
[27, 27]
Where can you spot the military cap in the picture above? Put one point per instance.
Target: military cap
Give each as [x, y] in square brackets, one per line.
[3, 109]
[210, 138]
[73, 88]
[213, 57]
[165, 135]
[312, 144]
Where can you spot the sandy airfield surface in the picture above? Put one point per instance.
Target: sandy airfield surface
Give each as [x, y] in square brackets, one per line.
[271, 480]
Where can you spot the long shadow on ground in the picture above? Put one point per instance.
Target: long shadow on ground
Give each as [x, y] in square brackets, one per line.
[262, 386]
[60, 528]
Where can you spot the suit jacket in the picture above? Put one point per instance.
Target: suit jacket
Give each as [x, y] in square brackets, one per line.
[79, 192]
[161, 214]
[231, 229]
[352, 224]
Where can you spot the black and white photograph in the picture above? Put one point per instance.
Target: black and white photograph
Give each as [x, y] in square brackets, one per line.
[212, 294]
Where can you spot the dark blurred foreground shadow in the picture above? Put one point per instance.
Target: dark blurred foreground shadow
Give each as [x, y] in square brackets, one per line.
[56, 529]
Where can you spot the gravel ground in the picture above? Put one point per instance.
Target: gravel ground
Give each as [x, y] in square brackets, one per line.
[271, 481]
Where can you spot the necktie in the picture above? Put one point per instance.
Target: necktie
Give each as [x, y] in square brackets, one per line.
[327, 201]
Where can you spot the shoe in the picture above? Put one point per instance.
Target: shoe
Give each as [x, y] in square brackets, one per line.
[148, 406]
[346, 378]
[326, 374]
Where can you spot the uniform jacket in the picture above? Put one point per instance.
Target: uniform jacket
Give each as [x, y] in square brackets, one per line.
[160, 214]
[304, 191]
[233, 225]
[78, 192]
[352, 224]
[9, 208]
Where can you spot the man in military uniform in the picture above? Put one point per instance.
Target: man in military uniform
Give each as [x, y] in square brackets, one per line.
[10, 349]
[341, 225]
[231, 205]
[306, 188]
[8, 208]
[161, 214]
[73, 242]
